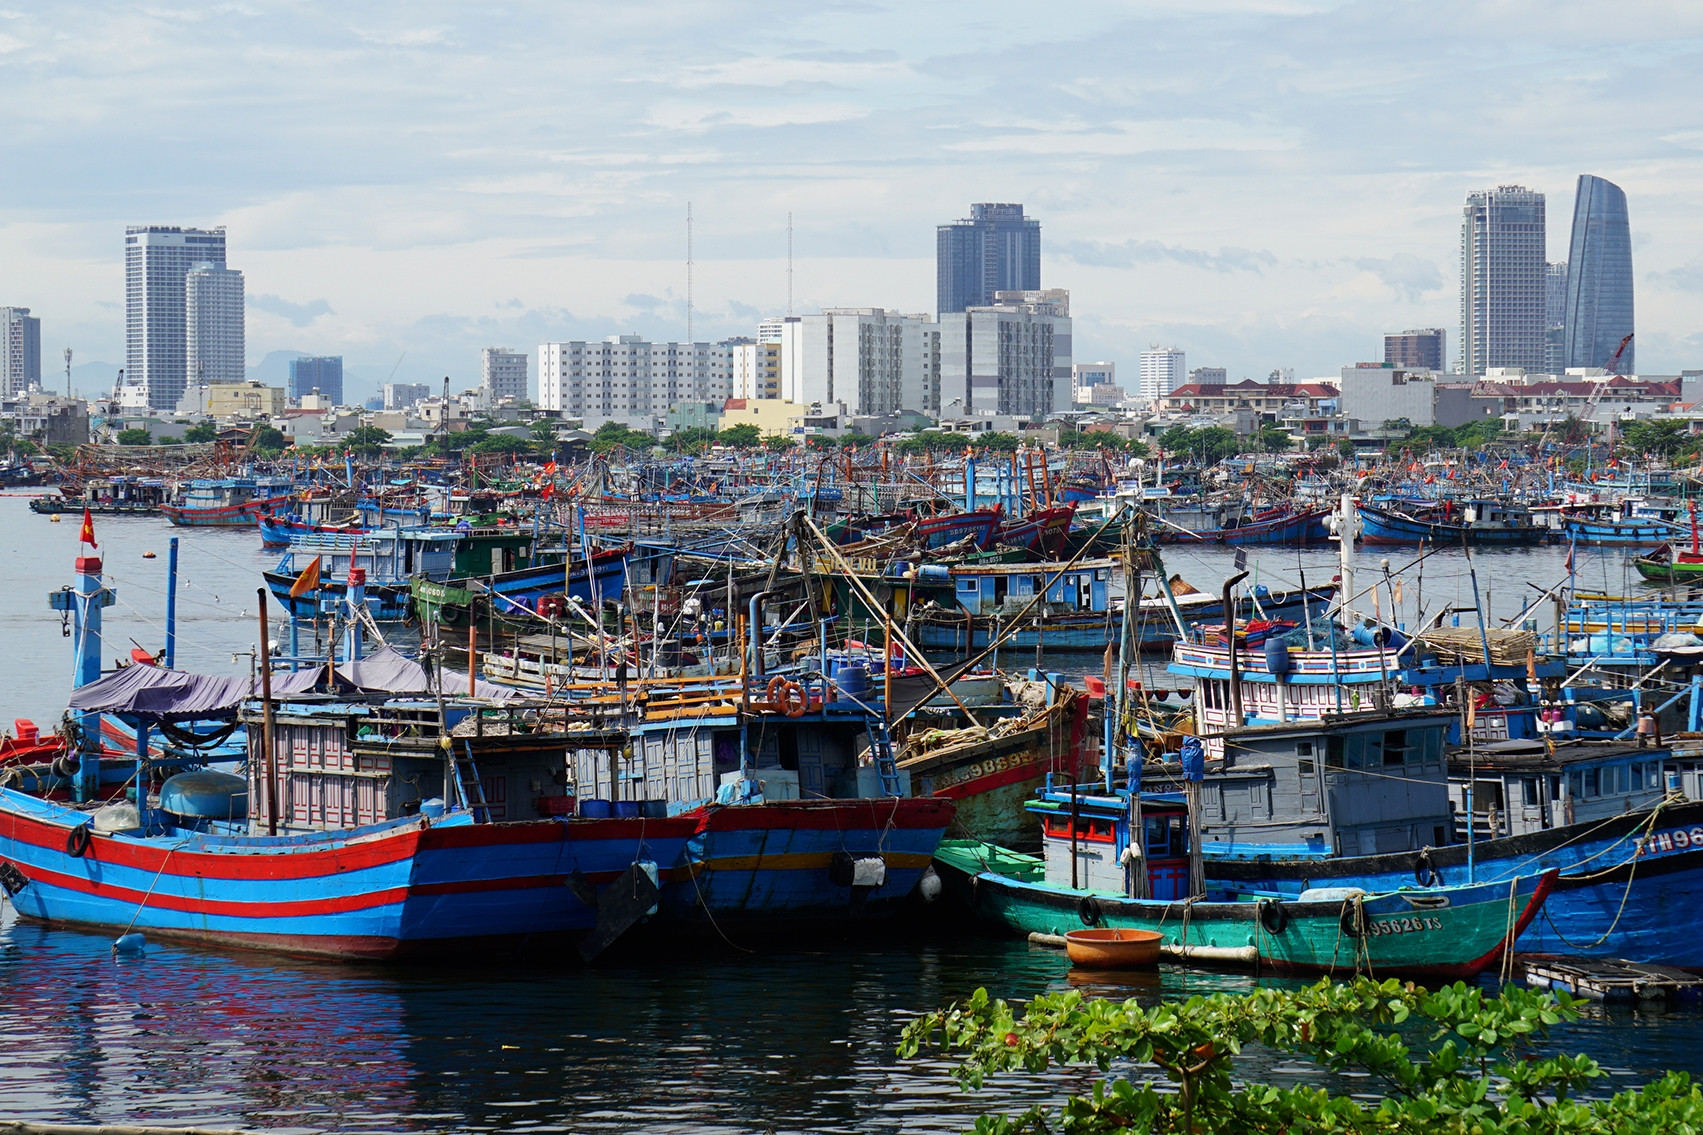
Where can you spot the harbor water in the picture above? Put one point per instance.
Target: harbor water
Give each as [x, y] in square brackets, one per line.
[714, 1036]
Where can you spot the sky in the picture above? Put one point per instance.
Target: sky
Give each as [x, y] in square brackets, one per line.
[1263, 183]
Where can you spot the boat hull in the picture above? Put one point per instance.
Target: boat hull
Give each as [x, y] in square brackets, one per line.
[1380, 526]
[1397, 933]
[389, 603]
[222, 516]
[1301, 528]
[1614, 898]
[1644, 534]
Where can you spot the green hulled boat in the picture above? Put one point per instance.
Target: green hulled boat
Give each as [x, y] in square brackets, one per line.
[1085, 875]
[1668, 564]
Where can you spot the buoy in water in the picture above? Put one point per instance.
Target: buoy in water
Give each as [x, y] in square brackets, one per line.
[148, 555]
[130, 944]
[53, 518]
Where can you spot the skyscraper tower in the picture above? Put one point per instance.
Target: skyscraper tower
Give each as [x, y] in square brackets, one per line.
[214, 325]
[1503, 279]
[157, 260]
[1599, 277]
[995, 249]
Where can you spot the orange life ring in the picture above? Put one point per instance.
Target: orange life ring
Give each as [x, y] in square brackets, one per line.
[788, 697]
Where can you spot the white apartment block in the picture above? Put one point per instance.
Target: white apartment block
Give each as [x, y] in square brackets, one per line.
[1084, 377]
[624, 377]
[1013, 357]
[873, 360]
[157, 262]
[214, 326]
[1163, 369]
[505, 374]
[405, 395]
[20, 350]
[756, 368]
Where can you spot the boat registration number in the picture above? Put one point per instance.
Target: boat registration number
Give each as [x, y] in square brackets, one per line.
[1674, 839]
[1418, 925]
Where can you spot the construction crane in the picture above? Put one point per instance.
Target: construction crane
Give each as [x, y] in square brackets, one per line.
[1613, 364]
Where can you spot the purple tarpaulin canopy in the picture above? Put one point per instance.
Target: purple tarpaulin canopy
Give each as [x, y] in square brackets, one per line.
[172, 695]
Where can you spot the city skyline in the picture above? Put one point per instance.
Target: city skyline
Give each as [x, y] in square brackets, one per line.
[1282, 212]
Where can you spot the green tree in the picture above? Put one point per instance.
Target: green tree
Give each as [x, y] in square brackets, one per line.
[201, 432]
[1483, 1064]
[269, 440]
[1656, 439]
[503, 443]
[855, 440]
[1345, 448]
[691, 439]
[368, 441]
[745, 435]
[544, 430]
[777, 443]
[995, 441]
[137, 436]
[611, 435]
[1275, 439]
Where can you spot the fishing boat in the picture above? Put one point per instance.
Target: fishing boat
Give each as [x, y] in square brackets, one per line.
[1489, 523]
[108, 496]
[513, 597]
[385, 559]
[1042, 530]
[1113, 860]
[227, 502]
[277, 530]
[1670, 563]
[1282, 525]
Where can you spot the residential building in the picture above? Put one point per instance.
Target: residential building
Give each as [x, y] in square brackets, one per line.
[51, 419]
[773, 417]
[1425, 348]
[505, 374]
[249, 399]
[20, 351]
[1163, 369]
[405, 395]
[757, 366]
[1209, 376]
[322, 373]
[1375, 393]
[1012, 357]
[1262, 398]
[769, 331]
[1555, 318]
[1599, 279]
[873, 360]
[157, 262]
[213, 326]
[996, 248]
[625, 378]
[1503, 279]
[1085, 376]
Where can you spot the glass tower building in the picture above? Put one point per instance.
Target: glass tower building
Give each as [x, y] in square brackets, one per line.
[1599, 277]
[1504, 279]
[157, 261]
[995, 249]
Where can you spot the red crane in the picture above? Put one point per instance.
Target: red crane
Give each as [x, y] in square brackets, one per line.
[1614, 359]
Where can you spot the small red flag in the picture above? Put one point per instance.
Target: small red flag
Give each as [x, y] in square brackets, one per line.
[307, 581]
[87, 535]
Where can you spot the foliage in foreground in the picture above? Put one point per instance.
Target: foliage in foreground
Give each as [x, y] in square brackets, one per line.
[1477, 1068]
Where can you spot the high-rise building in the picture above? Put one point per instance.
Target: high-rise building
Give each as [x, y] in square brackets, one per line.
[1555, 318]
[1209, 376]
[1163, 369]
[995, 249]
[627, 378]
[1599, 278]
[405, 395]
[20, 350]
[157, 260]
[1010, 357]
[1424, 348]
[323, 373]
[505, 374]
[213, 322]
[873, 360]
[1503, 279]
[756, 367]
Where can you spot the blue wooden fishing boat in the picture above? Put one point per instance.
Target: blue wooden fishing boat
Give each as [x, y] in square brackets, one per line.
[1482, 522]
[1278, 526]
[227, 502]
[389, 558]
[515, 596]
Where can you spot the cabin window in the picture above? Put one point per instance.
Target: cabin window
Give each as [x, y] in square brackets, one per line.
[1365, 750]
[1334, 751]
[1305, 749]
[1529, 794]
[1166, 836]
[1304, 767]
[1653, 775]
[1395, 748]
[967, 585]
[1593, 782]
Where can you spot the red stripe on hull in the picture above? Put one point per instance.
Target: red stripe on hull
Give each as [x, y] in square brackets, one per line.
[831, 815]
[994, 780]
[297, 908]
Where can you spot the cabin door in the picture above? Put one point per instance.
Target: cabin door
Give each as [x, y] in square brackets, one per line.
[1309, 781]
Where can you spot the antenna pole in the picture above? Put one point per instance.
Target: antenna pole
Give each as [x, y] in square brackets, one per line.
[789, 262]
[67, 372]
[689, 272]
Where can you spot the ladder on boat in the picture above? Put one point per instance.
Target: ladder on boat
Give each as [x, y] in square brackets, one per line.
[881, 749]
[468, 784]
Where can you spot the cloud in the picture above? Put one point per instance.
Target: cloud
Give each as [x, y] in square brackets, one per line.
[405, 37]
[299, 314]
[644, 302]
[1409, 276]
[1131, 252]
[1687, 277]
[1124, 138]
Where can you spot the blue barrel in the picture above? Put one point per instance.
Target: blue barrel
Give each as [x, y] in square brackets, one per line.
[1277, 658]
[851, 677]
[627, 810]
[595, 809]
[653, 809]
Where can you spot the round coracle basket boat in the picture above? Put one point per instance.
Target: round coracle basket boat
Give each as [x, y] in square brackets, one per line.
[1113, 948]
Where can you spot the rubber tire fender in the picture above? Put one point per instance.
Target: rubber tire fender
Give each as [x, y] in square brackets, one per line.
[1423, 873]
[1353, 921]
[1273, 916]
[77, 843]
[1090, 911]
